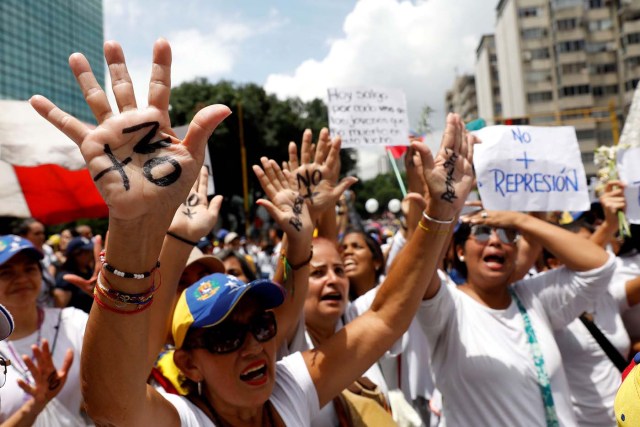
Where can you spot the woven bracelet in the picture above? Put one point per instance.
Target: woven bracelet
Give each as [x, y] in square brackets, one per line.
[122, 298]
[111, 269]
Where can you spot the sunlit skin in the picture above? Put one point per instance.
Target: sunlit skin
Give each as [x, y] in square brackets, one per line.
[232, 266]
[358, 263]
[328, 293]
[237, 401]
[489, 264]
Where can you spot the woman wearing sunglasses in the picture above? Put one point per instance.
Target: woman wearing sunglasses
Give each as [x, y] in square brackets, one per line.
[144, 173]
[494, 356]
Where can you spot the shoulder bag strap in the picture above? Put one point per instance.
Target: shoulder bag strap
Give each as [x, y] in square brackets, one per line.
[612, 352]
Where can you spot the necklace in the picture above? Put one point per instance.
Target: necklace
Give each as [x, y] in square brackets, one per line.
[267, 413]
[18, 364]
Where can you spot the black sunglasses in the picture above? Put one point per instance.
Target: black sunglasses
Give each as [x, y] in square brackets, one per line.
[482, 234]
[229, 336]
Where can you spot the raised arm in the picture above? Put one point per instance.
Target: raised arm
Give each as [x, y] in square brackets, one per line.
[337, 362]
[143, 173]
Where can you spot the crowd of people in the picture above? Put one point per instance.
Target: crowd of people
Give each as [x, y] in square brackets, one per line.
[487, 318]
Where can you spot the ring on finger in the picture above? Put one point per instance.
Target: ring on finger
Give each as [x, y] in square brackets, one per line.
[484, 214]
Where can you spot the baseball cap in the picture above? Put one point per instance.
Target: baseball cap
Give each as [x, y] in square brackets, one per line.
[212, 263]
[79, 244]
[11, 245]
[230, 237]
[222, 233]
[209, 301]
[6, 323]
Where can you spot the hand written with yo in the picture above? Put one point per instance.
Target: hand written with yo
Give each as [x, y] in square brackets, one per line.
[285, 205]
[316, 174]
[46, 381]
[134, 158]
[195, 217]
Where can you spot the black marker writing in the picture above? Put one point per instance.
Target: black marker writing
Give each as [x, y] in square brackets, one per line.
[166, 180]
[143, 146]
[450, 194]
[117, 166]
[297, 210]
[309, 181]
[53, 380]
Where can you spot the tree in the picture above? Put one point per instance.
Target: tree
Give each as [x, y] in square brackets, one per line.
[269, 125]
[424, 122]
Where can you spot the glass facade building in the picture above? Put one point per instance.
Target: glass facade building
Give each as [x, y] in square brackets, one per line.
[36, 39]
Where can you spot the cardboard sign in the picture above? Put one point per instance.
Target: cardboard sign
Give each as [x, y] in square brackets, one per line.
[368, 116]
[627, 161]
[528, 168]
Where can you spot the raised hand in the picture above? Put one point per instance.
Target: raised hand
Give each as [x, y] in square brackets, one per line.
[450, 176]
[138, 165]
[285, 205]
[315, 175]
[87, 285]
[613, 201]
[47, 381]
[196, 217]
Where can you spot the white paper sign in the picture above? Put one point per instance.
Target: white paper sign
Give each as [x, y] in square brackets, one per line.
[628, 161]
[529, 168]
[368, 116]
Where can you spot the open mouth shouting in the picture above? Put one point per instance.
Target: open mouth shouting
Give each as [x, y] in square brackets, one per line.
[494, 261]
[256, 373]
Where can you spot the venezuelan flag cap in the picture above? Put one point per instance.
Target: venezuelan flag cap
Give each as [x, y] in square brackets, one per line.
[209, 301]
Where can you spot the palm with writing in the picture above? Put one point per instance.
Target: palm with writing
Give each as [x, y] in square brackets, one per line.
[196, 217]
[138, 165]
[450, 175]
[315, 175]
[285, 205]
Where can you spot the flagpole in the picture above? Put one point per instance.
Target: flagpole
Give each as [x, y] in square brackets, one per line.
[397, 172]
[245, 180]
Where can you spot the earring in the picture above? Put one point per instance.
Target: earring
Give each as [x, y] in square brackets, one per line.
[199, 388]
[461, 258]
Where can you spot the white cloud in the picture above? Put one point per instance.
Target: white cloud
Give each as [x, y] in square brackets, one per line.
[415, 47]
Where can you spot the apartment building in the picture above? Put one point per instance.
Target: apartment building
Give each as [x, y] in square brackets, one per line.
[461, 98]
[487, 81]
[571, 62]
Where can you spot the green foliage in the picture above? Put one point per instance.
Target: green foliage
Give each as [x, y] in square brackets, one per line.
[269, 124]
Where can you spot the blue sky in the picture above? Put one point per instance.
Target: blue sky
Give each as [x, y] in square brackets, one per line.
[301, 47]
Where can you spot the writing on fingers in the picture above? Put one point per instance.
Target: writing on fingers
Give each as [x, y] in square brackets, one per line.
[192, 200]
[53, 380]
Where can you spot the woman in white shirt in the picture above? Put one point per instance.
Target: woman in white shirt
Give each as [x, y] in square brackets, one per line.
[144, 173]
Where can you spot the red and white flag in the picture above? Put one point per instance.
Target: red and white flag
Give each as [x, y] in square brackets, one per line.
[42, 172]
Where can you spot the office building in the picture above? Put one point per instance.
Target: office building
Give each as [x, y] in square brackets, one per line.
[36, 39]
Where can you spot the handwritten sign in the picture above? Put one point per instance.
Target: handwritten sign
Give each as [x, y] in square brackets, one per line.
[627, 161]
[528, 168]
[368, 116]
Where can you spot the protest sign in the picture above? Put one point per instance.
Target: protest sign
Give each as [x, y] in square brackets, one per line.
[368, 116]
[627, 161]
[528, 168]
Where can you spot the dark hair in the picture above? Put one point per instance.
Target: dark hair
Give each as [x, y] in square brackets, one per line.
[460, 236]
[22, 227]
[248, 271]
[374, 248]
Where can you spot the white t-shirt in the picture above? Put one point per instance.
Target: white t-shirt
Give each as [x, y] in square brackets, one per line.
[593, 378]
[294, 397]
[627, 268]
[481, 358]
[70, 334]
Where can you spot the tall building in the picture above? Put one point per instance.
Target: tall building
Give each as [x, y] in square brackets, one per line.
[36, 39]
[487, 81]
[571, 62]
[461, 98]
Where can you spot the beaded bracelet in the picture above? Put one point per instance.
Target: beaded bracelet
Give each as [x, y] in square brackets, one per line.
[437, 221]
[111, 269]
[121, 299]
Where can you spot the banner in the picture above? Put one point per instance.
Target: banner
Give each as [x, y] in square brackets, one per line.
[528, 168]
[368, 116]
